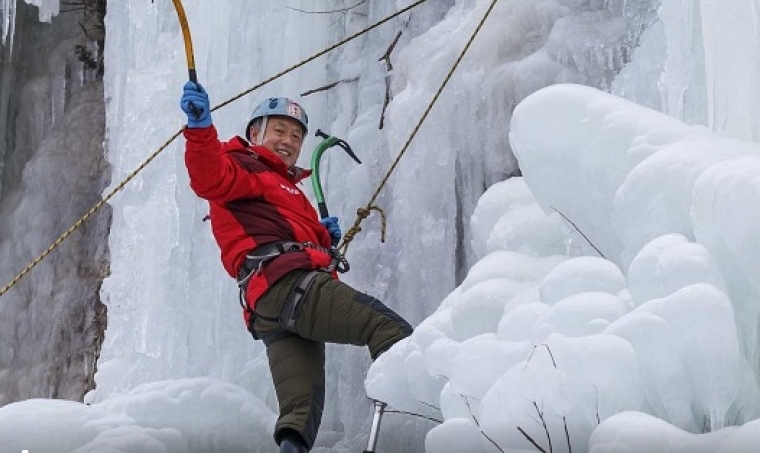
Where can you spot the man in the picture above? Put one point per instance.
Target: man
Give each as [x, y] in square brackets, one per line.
[272, 241]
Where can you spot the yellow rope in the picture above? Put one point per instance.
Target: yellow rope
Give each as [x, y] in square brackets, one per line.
[147, 161]
[317, 55]
[362, 213]
[89, 214]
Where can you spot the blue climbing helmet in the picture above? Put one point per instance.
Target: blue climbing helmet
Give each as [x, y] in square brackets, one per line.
[279, 107]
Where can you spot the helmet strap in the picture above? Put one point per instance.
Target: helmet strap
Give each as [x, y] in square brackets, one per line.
[262, 131]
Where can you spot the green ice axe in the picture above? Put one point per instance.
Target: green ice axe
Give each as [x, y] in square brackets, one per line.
[327, 143]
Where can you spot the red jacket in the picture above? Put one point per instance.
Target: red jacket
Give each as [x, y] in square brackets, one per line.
[253, 201]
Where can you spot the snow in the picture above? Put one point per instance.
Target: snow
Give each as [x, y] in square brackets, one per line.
[604, 301]
[586, 338]
[199, 414]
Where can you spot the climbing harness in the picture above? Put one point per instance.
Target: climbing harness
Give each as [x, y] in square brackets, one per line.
[256, 260]
[293, 300]
[170, 140]
[254, 264]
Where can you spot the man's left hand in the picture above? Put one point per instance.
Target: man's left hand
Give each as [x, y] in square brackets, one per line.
[331, 223]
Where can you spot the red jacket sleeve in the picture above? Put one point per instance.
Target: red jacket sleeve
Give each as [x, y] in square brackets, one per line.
[215, 176]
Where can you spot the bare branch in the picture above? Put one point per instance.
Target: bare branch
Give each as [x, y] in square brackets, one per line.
[329, 86]
[394, 411]
[469, 409]
[596, 390]
[477, 423]
[429, 405]
[546, 428]
[389, 68]
[387, 55]
[530, 439]
[554, 362]
[567, 436]
[534, 350]
[492, 441]
[579, 231]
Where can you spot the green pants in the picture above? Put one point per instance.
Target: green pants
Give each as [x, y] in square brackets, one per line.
[330, 312]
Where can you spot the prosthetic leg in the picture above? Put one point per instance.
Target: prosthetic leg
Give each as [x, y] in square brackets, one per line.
[373, 433]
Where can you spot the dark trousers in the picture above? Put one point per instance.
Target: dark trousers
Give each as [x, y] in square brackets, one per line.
[330, 312]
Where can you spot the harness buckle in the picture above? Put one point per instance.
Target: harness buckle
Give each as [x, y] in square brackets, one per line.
[255, 260]
[338, 263]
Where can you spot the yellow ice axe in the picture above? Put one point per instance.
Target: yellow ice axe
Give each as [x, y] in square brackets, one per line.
[188, 40]
[188, 51]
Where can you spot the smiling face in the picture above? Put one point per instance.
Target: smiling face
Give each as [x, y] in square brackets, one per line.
[283, 136]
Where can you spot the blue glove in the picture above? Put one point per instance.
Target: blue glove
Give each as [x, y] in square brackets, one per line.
[331, 223]
[196, 105]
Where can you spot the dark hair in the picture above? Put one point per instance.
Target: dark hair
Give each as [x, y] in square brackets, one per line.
[255, 122]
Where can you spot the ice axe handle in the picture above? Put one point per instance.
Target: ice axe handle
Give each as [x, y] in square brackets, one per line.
[323, 214]
[322, 210]
[193, 108]
[188, 52]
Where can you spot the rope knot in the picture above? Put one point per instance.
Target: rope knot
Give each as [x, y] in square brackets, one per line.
[361, 214]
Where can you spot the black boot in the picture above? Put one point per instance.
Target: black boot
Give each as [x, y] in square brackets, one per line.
[292, 443]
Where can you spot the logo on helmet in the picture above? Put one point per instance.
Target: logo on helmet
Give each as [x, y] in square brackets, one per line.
[294, 110]
[273, 103]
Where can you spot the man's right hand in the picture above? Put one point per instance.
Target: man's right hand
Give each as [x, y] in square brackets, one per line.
[195, 104]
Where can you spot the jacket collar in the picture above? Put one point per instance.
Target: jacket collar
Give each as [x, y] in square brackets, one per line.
[294, 174]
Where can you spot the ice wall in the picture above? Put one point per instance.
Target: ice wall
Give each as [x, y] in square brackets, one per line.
[698, 63]
[174, 312]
